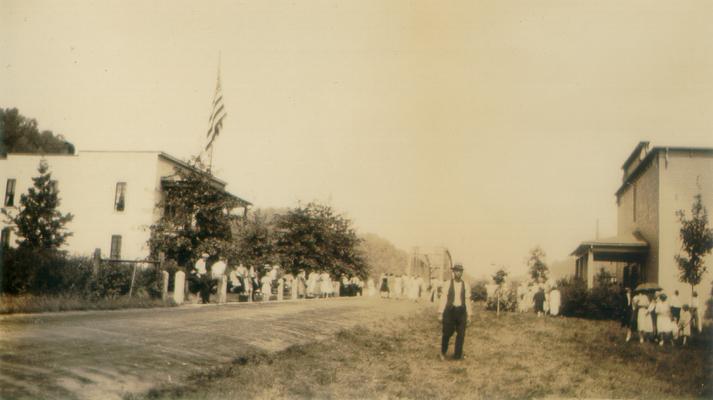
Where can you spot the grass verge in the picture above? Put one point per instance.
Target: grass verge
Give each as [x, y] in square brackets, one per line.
[36, 304]
[511, 357]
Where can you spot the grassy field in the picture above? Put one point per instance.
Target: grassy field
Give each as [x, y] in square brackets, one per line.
[10, 304]
[513, 356]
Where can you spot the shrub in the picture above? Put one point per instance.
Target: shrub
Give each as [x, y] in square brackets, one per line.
[604, 301]
[52, 273]
[111, 281]
[43, 272]
[508, 301]
[148, 282]
[478, 292]
[574, 297]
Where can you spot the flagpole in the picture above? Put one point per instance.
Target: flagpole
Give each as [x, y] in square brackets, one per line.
[210, 159]
[217, 116]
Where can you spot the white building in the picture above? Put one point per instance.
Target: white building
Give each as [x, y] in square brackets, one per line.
[113, 196]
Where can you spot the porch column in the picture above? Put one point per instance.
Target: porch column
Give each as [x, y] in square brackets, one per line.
[590, 268]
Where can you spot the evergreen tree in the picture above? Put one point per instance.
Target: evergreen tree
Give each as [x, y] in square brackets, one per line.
[38, 223]
[696, 242]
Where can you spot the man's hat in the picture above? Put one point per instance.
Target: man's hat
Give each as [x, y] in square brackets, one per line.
[457, 267]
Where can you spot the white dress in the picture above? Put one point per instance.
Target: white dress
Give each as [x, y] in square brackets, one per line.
[266, 287]
[555, 300]
[326, 284]
[643, 317]
[663, 317]
[312, 281]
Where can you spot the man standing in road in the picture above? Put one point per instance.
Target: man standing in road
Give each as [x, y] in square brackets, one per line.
[455, 311]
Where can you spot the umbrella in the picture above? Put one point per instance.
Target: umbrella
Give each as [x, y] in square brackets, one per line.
[647, 286]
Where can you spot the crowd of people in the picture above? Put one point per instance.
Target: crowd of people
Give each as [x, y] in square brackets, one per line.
[650, 314]
[542, 298]
[403, 286]
[658, 318]
[262, 285]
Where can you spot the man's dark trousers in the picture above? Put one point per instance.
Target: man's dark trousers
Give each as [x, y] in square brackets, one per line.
[454, 320]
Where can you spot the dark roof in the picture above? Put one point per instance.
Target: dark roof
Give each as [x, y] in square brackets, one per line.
[625, 242]
[705, 151]
[186, 165]
[167, 182]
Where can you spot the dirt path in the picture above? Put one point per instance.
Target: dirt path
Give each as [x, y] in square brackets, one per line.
[102, 355]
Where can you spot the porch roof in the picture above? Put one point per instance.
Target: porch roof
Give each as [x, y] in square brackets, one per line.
[624, 245]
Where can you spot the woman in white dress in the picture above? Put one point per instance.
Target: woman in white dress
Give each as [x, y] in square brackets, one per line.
[266, 287]
[555, 301]
[398, 286]
[664, 324]
[643, 319]
[313, 284]
[326, 284]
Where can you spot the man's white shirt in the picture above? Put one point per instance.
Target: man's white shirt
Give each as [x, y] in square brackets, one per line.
[457, 288]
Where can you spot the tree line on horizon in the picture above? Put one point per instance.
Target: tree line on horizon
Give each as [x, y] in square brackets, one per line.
[21, 135]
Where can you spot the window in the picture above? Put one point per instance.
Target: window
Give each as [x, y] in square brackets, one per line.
[120, 196]
[5, 238]
[169, 211]
[115, 252]
[10, 193]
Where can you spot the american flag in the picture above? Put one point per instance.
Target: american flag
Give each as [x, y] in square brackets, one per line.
[217, 115]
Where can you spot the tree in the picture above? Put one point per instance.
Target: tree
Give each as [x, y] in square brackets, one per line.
[499, 279]
[38, 223]
[21, 135]
[696, 242]
[314, 238]
[254, 241]
[196, 218]
[536, 264]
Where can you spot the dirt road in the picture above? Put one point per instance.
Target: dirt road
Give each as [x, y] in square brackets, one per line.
[102, 355]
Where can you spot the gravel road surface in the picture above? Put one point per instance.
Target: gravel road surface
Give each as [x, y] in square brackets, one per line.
[103, 355]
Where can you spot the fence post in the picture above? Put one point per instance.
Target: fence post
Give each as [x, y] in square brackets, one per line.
[96, 260]
[164, 285]
[133, 278]
[179, 287]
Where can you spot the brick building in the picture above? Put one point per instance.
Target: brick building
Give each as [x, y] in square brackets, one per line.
[113, 196]
[656, 182]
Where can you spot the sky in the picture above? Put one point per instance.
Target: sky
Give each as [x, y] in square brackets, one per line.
[488, 127]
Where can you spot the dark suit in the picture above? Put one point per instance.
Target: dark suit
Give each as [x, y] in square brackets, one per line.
[454, 320]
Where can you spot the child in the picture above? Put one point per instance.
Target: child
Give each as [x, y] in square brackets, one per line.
[684, 323]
